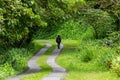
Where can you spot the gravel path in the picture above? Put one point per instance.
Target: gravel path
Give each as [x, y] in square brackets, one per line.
[33, 67]
[58, 72]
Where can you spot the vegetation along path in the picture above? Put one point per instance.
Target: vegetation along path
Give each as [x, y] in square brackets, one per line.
[58, 72]
[33, 67]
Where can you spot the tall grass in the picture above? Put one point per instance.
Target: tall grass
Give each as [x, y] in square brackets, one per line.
[15, 59]
[88, 60]
[97, 54]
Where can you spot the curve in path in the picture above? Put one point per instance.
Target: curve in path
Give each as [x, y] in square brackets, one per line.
[33, 67]
[58, 72]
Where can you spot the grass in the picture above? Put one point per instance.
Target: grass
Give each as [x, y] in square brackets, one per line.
[84, 60]
[46, 69]
[76, 75]
[93, 69]
[15, 59]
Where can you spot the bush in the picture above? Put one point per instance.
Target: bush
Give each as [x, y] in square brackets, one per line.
[94, 52]
[14, 60]
[86, 55]
[16, 57]
[113, 37]
[6, 70]
[18, 22]
[116, 65]
[71, 29]
[89, 34]
[100, 20]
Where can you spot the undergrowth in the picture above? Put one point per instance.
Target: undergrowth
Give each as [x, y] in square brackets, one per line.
[71, 29]
[14, 60]
[88, 59]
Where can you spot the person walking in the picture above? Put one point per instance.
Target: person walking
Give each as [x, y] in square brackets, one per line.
[58, 41]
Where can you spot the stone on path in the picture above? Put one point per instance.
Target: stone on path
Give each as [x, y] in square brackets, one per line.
[58, 72]
[33, 67]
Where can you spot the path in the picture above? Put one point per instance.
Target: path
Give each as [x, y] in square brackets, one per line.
[33, 67]
[58, 72]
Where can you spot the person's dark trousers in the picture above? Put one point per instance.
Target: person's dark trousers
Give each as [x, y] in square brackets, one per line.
[58, 45]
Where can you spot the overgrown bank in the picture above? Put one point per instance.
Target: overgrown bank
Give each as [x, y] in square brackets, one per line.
[14, 60]
[89, 58]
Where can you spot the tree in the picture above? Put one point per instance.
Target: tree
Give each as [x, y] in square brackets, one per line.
[18, 22]
[111, 6]
[100, 20]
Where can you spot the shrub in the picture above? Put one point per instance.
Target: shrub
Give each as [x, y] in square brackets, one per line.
[93, 51]
[70, 29]
[100, 20]
[116, 65]
[18, 22]
[113, 37]
[16, 57]
[86, 55]
[89, 34]
[6, 70]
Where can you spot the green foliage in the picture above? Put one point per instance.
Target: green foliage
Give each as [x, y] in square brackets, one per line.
[92, 24]
[14, 60]
[99, 20]
[72, 19]
[99, 54]
[111, 6]
[88, 34]
[55, 15]
[71, 29]
[89, 59]
[51, 12]
[86, 55]
[46, 69]
[113, 37]
[16, 57]
[18, 22]
[73, 5]
[116, 65]
[6, 70]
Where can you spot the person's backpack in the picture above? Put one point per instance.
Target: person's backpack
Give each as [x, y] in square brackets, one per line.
[58, 39]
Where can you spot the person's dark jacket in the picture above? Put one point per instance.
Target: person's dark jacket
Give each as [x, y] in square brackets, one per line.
[58, 39]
